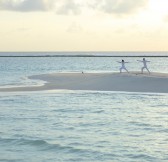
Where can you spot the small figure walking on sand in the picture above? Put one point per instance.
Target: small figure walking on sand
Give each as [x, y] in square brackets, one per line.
[144, 65]
[123, 66]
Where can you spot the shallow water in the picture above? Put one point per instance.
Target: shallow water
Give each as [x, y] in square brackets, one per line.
[80, 126]
[83, 126]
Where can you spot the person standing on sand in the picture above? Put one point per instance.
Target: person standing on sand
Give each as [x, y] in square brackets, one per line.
[123, 66]
[144, 65]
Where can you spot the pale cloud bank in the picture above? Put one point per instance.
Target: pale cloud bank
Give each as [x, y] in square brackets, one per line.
[119, 6]
[26, 5]
[66, 7]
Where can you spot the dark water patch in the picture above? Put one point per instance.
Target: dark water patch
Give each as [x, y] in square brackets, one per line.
[160, 106]
[43, 145]
[135, 126]
[22, 141]
[165, 130]
[6, 141]
[7, 100]
[99, 111]
[140, 124]
[32, 142]
[142, 157]
[13, 160]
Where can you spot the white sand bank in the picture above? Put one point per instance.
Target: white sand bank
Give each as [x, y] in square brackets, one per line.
[129, 82]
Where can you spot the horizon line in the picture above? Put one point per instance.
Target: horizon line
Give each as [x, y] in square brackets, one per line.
[79, 51]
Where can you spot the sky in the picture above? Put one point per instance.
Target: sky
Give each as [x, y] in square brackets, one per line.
[83, 25]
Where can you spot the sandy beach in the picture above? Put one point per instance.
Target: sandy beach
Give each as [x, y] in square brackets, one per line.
[129, 82]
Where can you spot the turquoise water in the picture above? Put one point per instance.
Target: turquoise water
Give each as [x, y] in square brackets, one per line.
[80, 126]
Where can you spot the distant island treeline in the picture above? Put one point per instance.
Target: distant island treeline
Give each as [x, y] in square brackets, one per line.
[84, 54]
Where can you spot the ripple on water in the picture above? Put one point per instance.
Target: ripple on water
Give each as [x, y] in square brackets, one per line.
[83, 126]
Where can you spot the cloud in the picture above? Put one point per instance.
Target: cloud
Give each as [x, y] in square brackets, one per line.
[68, 7]
[118, 6]
[26, 5]
[76, 7]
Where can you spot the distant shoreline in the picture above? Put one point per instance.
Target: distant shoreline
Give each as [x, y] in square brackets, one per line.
[83, 56]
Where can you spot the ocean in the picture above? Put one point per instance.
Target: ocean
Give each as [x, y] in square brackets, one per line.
[80, 126]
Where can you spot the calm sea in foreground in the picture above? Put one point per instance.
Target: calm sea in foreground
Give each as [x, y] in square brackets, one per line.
[80, 126]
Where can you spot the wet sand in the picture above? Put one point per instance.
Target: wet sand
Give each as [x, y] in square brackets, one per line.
[129, 82]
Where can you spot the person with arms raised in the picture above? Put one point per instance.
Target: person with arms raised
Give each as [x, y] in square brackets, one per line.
[123, 66]
[144, 65]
